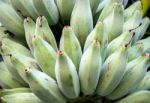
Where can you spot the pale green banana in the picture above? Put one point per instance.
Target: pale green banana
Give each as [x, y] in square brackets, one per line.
[20, 62]
[124, 38]
[4, 92]
[90, 68]
[45, 55]
[67, 76]
[70, 44]
[98, 33]
[43, 30]
[135, 72]
[20, 97]
[82, 20]
[29, 27]
[48, 9]
[11, 20]
[138, 97]
[94, 5]
[44, 86]
[134, 21]
[131, 9]
[109, 5]
[25, 8]
[7, 80]
[113, 71]
[65, 8]
[144, 84]
[140, 31]
[114, 21]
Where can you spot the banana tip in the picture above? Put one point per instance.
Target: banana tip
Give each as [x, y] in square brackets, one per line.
[60, 52]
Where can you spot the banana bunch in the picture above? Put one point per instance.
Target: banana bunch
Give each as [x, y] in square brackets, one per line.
[101, 56]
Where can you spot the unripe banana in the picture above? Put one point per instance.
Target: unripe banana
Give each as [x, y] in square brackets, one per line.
[70, 44]
[20, 62]
[20, 97]
[43, 30]
[109, 5]
[124, 38]
[25, 8]
[44, 86]
[114, 21]
[131, 9]
[89, 74]
[137, 97]
[135, 72]
[144, 84]
[94, 5]
[65, 9]
[146, 44]
[45, 55]
[135, 51]
[113, 71]
[7, 80]
[140, 31]
[48, 9]
[134, 21]
[4, 92]
[10, 19]
[82, 20]
[29, 26]
[98, 33]
[67, 76]
[125, 2]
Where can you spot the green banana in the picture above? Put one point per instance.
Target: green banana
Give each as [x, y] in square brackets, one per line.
[4, 92]
[42, 29]
[137, 97]
[98, 33]
[20, 97]
[113, 71]
[65, 8]
[89, 74]
[70, 44]
[29, 27]
[114, 21]
[11, 20]
[131, 9]
[44, 86]
[109, 5]
[48, 9]
[20, 62]
[124, 38]
[82, 20]
[94, 5]
[25, 8]
[134, 21]
[7, 80]
[140, 31]
[45, 55]
[135, 72]
[67, 76]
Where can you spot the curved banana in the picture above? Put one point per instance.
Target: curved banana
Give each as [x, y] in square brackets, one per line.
[48, 9]
[43, 30]
[98, 33]
[45, 55]
[20, 97]
[65, 8]
[90, 68]
[114, 21]
[25, 8]
[11, 20]
[137, 97]
[113, 71]
[44, 86]
[67, 76]
[70, 44]
[82, 20]
[135, 72]
[94, 5]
